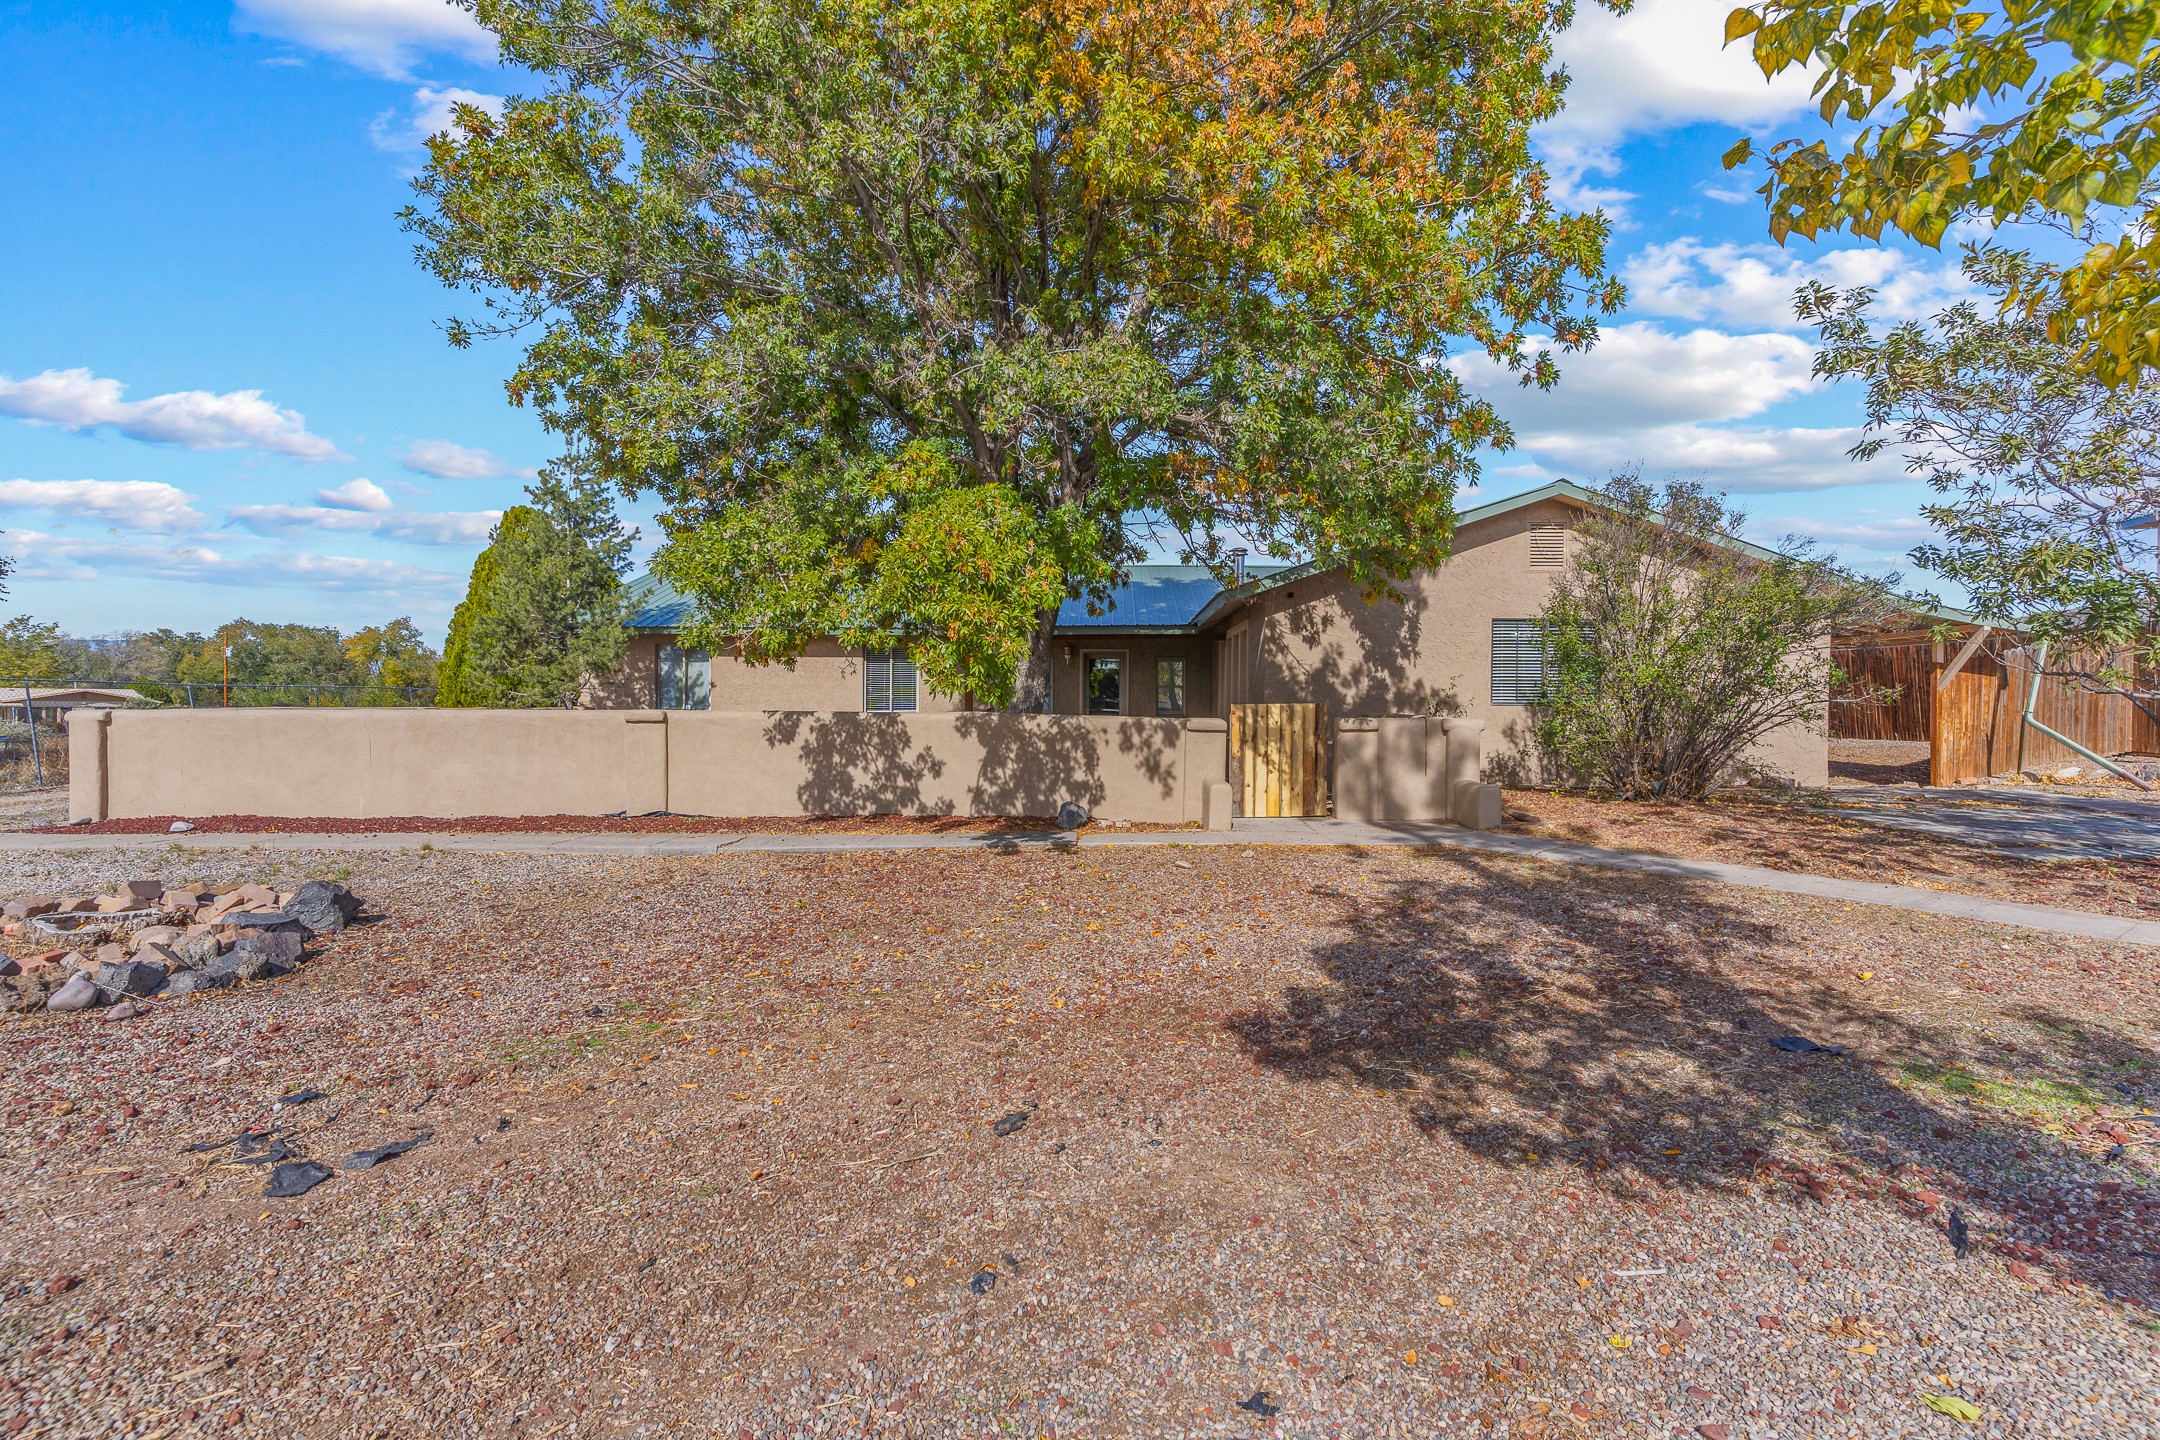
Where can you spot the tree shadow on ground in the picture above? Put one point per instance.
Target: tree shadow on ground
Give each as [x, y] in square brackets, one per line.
[1610, 1025]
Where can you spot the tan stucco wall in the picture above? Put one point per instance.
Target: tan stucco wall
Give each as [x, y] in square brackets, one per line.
[984, 763]
[1140, 652]
[1431, 654]
[825, 678]
[375, 763]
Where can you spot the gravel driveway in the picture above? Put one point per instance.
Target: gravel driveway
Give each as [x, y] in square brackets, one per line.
[1102, 1144]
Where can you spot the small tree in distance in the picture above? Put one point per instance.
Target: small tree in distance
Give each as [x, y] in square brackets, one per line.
[1672, 650]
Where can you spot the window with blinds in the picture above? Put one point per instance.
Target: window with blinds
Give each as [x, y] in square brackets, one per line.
[1518, 662]
[1548, 546]
[685, 679]
[888, 681]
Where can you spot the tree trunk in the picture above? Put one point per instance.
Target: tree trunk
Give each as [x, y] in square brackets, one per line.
[1031, 695]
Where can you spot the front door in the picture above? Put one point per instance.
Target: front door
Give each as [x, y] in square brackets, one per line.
[1105, 679]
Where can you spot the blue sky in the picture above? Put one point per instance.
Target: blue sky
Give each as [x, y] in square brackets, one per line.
[224, 389]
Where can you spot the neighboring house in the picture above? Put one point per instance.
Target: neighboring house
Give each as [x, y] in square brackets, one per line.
[1176, 641]
[52, 703]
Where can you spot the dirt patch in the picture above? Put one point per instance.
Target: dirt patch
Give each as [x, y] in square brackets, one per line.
[1436, 1138]
[1879, 762]
[1798, 833]
[595, 824]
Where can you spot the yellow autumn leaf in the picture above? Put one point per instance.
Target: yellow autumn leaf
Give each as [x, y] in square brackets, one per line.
[1409, 1357]
[1951, 1405]
[1445, 1300]
[1619, 1342]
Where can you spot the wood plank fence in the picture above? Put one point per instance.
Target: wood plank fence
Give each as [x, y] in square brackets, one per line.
[1973, 724]
[1280, 755]
[1908, 670]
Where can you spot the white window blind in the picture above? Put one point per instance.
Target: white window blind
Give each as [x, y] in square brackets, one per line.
[1518, 662]
[888, 681]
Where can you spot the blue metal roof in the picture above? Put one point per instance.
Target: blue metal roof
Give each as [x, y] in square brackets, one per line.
[1152, 597]
[656, 605]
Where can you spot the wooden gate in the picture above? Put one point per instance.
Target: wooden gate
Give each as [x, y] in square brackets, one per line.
[1281, 757]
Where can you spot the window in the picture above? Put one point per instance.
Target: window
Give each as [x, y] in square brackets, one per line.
[1548, 547]
[1169, 687]
[685, 679]
[1518, 662]
[1105, 684]
[888, 681]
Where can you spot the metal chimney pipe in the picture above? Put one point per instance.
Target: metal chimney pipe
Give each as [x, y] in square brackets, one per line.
[1237, 566]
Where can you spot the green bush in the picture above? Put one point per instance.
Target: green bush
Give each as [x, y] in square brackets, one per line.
[1672, 648]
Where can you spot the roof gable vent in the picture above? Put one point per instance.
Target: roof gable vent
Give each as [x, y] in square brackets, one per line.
[1548, 546]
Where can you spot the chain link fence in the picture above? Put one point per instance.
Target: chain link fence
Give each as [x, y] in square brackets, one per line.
[33, 713]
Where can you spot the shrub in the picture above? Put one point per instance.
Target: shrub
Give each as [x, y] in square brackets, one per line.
[1673, 648]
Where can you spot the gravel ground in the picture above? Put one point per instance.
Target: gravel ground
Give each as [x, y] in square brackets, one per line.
[1399, 1143]
[593, 824]
[1807, 832]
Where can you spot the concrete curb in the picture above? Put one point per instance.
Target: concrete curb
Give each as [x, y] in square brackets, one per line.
[1333, 833]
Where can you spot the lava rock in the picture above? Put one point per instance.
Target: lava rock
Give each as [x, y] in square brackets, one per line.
[269, 921]
[1071, 815]
[79, 993]
[132, 977]
[187, 982]
[197, 951]
[323, 906]
[278, 947]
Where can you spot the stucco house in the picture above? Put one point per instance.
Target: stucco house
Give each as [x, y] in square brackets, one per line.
[1177, 641]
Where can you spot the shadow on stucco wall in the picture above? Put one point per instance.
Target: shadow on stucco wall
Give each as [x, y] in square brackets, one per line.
[859, 764]
[1031, 768]
[1357, 658]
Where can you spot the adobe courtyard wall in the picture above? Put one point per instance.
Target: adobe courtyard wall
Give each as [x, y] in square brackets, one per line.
[380, 763]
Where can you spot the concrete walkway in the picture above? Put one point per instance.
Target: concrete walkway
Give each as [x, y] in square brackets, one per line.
[2039, 825]
[1247, 833]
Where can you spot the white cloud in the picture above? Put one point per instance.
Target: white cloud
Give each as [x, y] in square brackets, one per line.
[457, 527]
[1733, 459]
[72, 558]
[430, 115]
[1639, 376]
[1873, 530]
[344, 572]
[1662, 64]
[385, 36]
[1667, 403]
[1753, 284]
[447, 461]
[194, 419]
[356, 495]
[148, 505]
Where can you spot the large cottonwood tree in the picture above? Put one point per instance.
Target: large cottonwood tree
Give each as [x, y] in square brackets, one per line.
[918, 318]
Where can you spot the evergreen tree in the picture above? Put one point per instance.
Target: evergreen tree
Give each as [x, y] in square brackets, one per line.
[543, 613]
